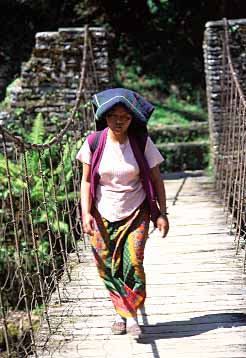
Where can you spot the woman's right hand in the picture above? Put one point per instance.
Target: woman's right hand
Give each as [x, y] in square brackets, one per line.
[88, 224]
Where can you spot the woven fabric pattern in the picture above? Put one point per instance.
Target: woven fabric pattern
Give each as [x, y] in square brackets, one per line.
[118, 249]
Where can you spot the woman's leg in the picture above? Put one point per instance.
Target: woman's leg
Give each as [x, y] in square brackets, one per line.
[119, 249]
[131, 273]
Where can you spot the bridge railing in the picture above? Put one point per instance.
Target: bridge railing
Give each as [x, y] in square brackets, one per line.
[40, 227]
[230, 159]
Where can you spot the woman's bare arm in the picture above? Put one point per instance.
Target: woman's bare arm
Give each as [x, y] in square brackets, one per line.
[159, 188]
[162, 221]
[86, 200]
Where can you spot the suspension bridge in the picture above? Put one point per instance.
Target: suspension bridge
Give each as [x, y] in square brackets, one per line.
[195, 277]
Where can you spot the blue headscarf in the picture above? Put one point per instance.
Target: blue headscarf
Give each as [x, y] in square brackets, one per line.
[136, 104]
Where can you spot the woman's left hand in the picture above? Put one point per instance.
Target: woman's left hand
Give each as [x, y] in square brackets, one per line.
[163, 225]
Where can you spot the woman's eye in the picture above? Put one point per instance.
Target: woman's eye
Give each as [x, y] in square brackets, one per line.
[124, 118]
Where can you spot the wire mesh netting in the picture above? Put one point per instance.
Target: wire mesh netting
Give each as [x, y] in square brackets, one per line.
[230, 160]
[40, 217]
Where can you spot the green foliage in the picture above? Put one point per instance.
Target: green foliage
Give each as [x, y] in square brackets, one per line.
[37, 133]
[19, 111]
[7, 256]
[15, 172]
[133, 77]
[41, 188]
[174, 111]
[163, 37]
[182, 157]
[155, 6]
[5, 104]
[9, 259]
[178, 104]
[161, 134]
[234, 28]
[209, 170]
[90, 11]
[163, 115]
[36, 136]
[38, 310]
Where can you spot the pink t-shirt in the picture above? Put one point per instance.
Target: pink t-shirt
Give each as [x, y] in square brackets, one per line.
[120, 190]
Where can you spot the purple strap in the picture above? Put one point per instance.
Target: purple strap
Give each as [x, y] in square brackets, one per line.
[96, 159]
[145, 178]
[91, 137]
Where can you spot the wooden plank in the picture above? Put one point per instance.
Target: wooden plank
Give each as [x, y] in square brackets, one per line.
[196, 292]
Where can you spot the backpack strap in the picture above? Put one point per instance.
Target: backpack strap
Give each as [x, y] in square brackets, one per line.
[93, 140]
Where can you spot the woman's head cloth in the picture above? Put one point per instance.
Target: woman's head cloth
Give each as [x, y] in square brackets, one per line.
[140, 108]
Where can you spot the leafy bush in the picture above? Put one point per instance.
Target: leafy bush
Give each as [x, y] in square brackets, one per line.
[55, 210]
[174, 111]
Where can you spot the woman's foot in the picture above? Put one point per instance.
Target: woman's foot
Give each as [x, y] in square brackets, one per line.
[134, 331]
[119, 328]
[133, 328]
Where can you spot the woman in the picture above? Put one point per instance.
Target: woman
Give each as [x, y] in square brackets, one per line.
[121, 190]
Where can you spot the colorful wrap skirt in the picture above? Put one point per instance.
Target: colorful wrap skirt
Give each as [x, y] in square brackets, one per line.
[118, 248]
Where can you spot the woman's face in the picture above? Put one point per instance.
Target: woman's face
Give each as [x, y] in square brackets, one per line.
[118, 119]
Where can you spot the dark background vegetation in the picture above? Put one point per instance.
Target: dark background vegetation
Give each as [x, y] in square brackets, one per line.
[157, 42]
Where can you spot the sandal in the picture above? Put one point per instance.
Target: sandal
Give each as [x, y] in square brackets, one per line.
[135, 331]
[118, 328]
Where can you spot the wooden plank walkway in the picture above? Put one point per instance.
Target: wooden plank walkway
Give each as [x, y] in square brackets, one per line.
[196, 305]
